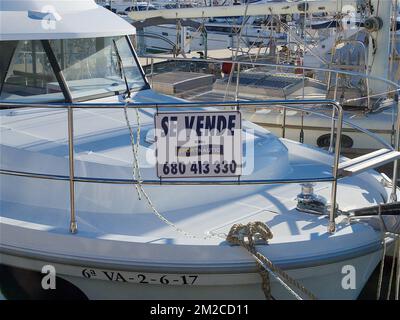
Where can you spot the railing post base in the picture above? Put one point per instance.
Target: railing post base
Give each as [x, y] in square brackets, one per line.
[393, 197]
[331, 227]
[73, 227]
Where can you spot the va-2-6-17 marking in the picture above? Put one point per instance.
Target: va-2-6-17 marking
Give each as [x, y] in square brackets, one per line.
[141, 278]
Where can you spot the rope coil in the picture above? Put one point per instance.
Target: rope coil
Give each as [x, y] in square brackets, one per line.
[247, 236]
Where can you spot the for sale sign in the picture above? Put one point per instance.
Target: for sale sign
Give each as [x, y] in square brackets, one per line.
[198, 144]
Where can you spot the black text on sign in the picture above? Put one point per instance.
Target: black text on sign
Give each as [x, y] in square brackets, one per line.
[198, 144]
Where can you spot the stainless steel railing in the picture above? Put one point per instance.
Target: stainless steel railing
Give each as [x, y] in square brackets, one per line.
[73, 225]
[241, 64]
[333, 52]
[329, 71]
[337, 114]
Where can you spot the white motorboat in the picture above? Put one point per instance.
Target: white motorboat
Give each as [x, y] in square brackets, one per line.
[350, 63]
[161, 35]
[68, 196]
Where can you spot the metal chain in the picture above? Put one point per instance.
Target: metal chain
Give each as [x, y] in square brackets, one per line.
[246, 236]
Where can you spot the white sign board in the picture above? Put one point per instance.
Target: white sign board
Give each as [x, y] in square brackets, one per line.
[198, 144]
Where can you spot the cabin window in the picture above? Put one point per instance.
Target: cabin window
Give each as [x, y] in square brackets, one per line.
[91, 66]
[26, 74]
[7, 49]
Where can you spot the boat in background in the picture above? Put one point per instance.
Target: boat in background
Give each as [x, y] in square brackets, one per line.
[348, 62]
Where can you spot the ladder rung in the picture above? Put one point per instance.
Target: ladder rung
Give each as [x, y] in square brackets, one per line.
[368, 161]
[363, 158]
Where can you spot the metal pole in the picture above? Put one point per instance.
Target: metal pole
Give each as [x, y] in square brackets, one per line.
[393, 195]
[237, 82]
[73, 225]
[330, 150]
[333, 116]
[329, 80]
[284, 122]
[205, 43]
[332, 213]
[151, 72]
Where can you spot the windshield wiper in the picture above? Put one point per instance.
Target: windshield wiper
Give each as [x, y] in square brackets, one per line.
[122, 69]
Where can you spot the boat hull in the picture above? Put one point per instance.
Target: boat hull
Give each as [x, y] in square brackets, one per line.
[326, 281]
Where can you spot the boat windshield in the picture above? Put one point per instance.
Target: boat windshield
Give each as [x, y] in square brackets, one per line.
[90, 67]
[26, 74]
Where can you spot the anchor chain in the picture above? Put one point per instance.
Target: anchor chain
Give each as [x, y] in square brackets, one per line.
[247, 236]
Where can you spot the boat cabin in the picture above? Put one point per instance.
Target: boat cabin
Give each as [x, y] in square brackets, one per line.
[63, 58]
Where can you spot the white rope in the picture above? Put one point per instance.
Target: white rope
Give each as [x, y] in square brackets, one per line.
[246, 236]
[372, 96]
[135, 170]
[137, 176]
[384, 232]
[396, 245]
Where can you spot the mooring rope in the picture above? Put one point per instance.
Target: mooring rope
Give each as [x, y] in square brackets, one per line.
[380, 278]
[135, 171]
[398, 271]
[392, 269]
[384, 233]
[246, 236]
[396, 249]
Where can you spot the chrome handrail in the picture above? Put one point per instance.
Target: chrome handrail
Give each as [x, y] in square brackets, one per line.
[365, 75]
[334, 50]
[158, 182]
[285, 104]
[274, 65]
[73, 225]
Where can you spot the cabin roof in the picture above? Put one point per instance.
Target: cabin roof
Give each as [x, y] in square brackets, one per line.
[58, 19]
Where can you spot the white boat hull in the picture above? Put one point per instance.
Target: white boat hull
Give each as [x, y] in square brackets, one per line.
[316, 128]
[325, 281]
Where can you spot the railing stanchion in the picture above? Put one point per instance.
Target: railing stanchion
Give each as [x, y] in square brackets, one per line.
[237, 82]
[151, 72]
[333, 208]
[284, 123]
[393, 195]
[331, 141]
[73, 225]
